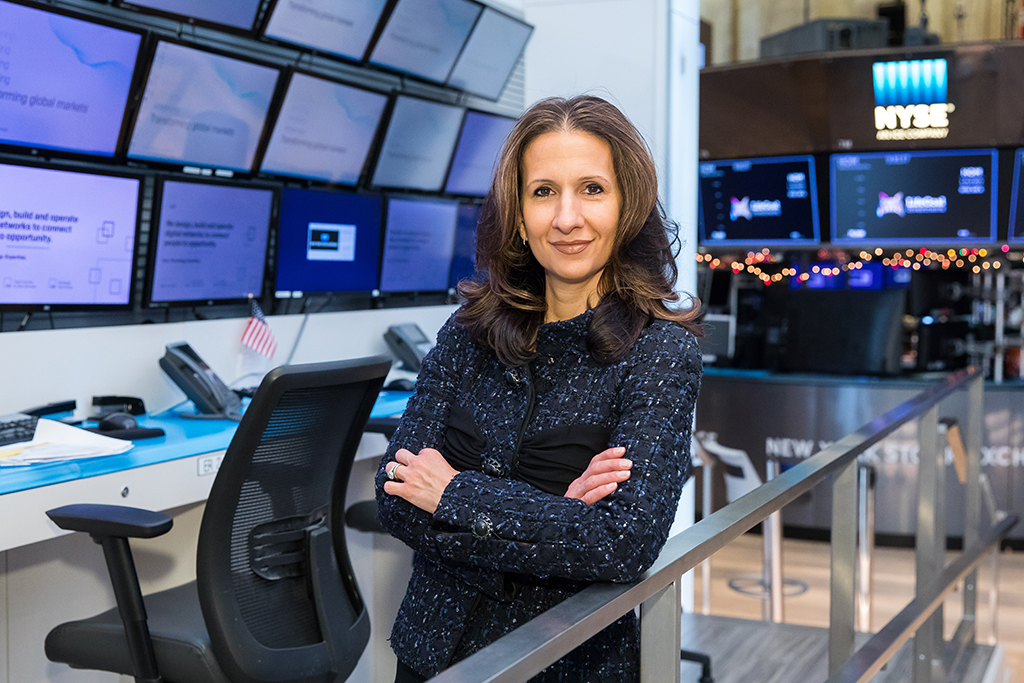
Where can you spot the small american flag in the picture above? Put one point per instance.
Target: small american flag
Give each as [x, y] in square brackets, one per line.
[258, 336]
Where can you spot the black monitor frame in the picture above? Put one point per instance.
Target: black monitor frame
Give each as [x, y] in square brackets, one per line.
[382, 25]
[32, 308]
[180, 166]
[455, 151]
[192, 21]
[154, 239]
[121, 147]
[526, 42]
[275, 112]
[361, 59]
[382, 137]
[385, 213]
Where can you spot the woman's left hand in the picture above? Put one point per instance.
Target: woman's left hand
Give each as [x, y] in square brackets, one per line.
[419, 479]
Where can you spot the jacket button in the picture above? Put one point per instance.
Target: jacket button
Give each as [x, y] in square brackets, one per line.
[482, 526]
[512, 378]
[492, 467]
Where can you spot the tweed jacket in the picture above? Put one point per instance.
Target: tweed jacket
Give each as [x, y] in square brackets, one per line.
[498, 551]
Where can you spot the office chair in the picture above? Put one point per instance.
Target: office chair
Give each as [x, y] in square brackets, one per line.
[275, 597]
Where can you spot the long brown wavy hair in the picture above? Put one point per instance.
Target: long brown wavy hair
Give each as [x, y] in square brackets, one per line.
[505, 302]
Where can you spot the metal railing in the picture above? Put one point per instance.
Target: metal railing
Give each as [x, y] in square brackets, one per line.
[529, 649]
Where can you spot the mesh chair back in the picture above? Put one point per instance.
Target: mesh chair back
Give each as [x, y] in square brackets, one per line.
[271, 550]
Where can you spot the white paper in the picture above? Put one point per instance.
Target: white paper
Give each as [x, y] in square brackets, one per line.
[54, 441]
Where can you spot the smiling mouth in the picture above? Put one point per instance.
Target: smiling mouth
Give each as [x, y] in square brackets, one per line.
[571, 247]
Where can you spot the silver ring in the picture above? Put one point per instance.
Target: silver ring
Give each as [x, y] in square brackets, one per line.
[390, 472]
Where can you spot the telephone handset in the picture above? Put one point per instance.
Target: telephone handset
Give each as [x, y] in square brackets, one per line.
[200, 383]
[409, 344]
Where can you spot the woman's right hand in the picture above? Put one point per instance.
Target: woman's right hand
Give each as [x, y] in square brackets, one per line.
[601, 477]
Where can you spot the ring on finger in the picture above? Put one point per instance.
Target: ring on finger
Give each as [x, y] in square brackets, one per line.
[390, 471]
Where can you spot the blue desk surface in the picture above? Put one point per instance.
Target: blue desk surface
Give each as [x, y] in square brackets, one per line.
[184, 438]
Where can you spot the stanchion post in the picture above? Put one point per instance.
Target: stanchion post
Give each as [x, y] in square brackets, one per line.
[771, 566]
[660, 634]
[865, 544]
[972, 516]
[707, 474]
[844, 556]
[929, 553]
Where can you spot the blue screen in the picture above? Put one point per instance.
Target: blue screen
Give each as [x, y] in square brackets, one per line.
[490, 54]
[211, 242]
[418, 244]
[236, 13]
[418, 145]
[341, 27]
[63, 82]
[328, 241]
[867, 276]
[424, 37]
[202, 108]
[476, 155]
[1016, 231]
[464, 253]
[65, 237]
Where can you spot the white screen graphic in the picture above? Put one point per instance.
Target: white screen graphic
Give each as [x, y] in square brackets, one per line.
[237, 13]
[418, 243]
[341, 27]
[418, 145]
[202, 108]
[212, 242]
[331, 242]
[63, 82]
[424, 37]
[65, 238]
[490, 54]
[324, 131]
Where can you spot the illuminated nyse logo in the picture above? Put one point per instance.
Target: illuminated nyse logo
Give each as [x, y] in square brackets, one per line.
[753, 208]
[897, 204]
[910, 100]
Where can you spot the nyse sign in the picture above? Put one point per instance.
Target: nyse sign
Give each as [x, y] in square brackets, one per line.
[913, 122]
[911, 99]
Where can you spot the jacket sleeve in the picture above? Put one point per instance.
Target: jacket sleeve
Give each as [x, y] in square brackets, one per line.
[423, 426]
[513, 527]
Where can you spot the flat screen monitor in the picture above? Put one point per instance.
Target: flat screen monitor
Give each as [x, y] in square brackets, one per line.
[337, 27]
[237, 14]
[208, 242]
[867, 276]
[418, 145]
[424, 37]
[328, 241]
[490, 54]
[759, 202]
[1016, 230]
[914, 197]
[476, 153]
[418, 240]
[66, 238]
[324, 131]
[202, 108]
[64, 82]
[464, 251]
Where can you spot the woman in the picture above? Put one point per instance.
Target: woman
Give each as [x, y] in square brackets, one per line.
[565, 348]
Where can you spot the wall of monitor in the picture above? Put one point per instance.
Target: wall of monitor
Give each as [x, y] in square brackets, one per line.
[917, 149]
[169, 160]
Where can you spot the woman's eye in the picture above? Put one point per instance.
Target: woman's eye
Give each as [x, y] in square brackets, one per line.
[542, 192]
[593, 188]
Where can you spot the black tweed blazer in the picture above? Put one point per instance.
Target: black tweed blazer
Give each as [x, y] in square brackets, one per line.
[498, 551]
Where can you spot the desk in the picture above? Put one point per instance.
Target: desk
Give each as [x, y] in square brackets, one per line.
[63, 577]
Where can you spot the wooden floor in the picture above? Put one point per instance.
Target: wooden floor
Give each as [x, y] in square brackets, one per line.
[893, 588]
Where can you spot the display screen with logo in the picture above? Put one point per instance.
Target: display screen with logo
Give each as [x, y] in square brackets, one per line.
[328, 241]
[425, 37]
[210, 242]
[66, 238]
[340, 27]
[754, 202]
[1016, 231]
[64, 82]
[418, 243]
[913, 197]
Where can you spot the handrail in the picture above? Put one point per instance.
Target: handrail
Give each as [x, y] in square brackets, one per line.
[529, 649]
[873, 655]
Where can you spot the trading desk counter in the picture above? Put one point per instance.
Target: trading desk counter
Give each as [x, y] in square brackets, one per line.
[793, 416]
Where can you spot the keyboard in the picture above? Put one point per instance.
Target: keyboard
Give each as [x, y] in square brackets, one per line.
[16, 428]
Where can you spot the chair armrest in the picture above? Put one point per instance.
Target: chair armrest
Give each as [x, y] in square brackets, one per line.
[111, 520]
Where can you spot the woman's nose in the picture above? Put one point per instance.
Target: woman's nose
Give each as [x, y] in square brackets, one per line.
[568, 216]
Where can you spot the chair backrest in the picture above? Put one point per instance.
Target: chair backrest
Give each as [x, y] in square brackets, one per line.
[275, 583]
[740, 476]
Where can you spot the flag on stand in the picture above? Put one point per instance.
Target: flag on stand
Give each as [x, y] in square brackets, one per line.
[258, 336]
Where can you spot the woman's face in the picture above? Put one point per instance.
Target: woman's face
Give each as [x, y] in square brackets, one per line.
[571, 205]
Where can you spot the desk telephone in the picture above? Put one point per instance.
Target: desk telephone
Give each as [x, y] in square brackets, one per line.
[200, 383]
[408, 343]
